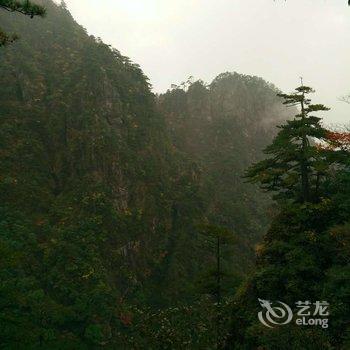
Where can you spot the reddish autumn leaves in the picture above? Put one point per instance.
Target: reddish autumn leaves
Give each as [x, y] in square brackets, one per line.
[339, 139]
[336, 140]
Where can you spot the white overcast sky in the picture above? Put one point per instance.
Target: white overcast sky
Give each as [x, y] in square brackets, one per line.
[277, 40]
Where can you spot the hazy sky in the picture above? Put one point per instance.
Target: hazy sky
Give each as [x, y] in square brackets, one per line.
[277, 40]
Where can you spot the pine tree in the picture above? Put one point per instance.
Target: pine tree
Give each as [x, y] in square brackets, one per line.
[304, 254]
[26, 8]
[297, 165]
[219, 280]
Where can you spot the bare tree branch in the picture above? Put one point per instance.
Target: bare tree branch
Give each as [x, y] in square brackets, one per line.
[345, 99]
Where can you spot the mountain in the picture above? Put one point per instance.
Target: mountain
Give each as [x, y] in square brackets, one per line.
[223, 127]
[105, 187]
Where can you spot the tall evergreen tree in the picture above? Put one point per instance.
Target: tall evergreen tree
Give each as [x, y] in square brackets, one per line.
[297, 165]
[304, 254]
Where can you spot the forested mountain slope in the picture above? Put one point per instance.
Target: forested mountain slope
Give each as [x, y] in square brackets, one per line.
[87, 177]
[223, 127]
[105, 187]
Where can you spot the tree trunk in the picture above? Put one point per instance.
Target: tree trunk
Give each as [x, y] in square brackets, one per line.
[305, 191]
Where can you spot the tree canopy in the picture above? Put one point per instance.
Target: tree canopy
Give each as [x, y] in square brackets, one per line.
[297, 165]
[125, 222]
[304, 254]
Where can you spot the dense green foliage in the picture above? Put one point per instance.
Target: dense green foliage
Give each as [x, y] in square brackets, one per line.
[108, 221]
[86, 184]
[298, 167]
[305, 254]
[223, 127]
[125, 222]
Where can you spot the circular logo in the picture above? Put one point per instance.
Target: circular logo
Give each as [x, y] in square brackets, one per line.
[274, 315]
